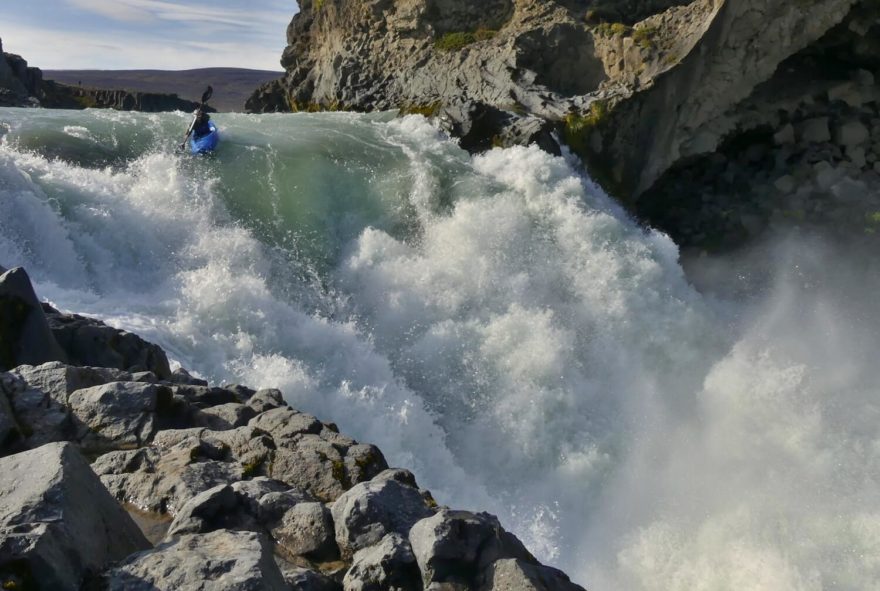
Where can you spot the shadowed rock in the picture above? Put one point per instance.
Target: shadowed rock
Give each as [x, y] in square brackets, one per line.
[24, 333]
[57, 522]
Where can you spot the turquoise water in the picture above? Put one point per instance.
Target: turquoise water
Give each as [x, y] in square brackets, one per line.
[494, 323]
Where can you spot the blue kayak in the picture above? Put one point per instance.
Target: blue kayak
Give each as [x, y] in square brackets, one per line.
[205, 143]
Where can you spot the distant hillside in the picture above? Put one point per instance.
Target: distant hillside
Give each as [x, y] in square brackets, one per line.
[232, 86]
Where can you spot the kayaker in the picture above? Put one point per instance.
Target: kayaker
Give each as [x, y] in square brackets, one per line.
[199, 125]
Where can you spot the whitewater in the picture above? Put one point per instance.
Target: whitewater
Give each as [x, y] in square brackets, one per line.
[494, 323]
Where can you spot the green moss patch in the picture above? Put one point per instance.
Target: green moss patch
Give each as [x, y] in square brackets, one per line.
[461, 39]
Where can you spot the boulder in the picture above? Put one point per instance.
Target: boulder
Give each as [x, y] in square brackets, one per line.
[162, 480]
[267, 399]
[24, 333]
[815, 130]
[118, 415]
[388, 565]
[10, 431]
[509, 574]
[181, 376]
[41, 418]
[57, 522]
[224, 416]
[454, 547]
[306, 529]
[220, 560]
[852, 134]
[202, 396]
[389, 503]
[303, 579]
[87, 341]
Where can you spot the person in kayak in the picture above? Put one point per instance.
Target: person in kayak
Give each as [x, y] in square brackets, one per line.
[199, 126]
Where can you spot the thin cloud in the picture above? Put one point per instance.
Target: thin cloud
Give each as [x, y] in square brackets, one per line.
[59, 49]
[144, 10]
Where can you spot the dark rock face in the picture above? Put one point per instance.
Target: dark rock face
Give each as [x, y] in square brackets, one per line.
[24, 334]
[237, 506]
[91, 342]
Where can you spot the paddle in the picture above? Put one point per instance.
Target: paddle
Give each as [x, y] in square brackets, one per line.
[205, 96]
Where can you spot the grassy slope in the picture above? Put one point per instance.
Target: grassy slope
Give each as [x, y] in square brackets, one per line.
[232, 86]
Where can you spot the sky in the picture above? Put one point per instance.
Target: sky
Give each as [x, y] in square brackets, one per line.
[146, 34]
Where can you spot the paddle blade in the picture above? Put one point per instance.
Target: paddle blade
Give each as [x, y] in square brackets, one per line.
[207, 94]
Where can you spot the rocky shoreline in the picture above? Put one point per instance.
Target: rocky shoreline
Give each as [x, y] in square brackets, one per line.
[122, 474]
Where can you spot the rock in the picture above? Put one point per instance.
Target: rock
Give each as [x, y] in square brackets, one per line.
[864, 78]
[302, 579]
[785, 184]
[59, 380]
[40, 417]
[164, 480]
[221, 560]
[181, 376]
[118, 414]
[785, 135]
[815, 130]
[388, 565]
[208, 511]
[509, 574]
[25, 337]
[877, 167]
[264, 400]
[306, 529]
[224, 416]
[454, 547]
[90, 342]
[204, 397]
[10, 431]
[852, 133]
[286, 424]
[57, 522]
[242, 393]
[856, 155]
[389, 503]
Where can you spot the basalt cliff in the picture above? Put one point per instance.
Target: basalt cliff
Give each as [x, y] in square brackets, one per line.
[712, 119]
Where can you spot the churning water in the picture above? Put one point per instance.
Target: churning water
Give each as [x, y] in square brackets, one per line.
[494, 323]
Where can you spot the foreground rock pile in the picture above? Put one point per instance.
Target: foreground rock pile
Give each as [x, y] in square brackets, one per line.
[131, 476]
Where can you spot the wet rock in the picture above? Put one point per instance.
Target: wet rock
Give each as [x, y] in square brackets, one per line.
[117, 415]
[517, 575]
[454, 547]
[222, 560]
[242, 393]
[389, 503]
[785, 135]
[388, 565]
[785, 184]
[90, 342]
[25, 337]
[57, 522]
[204, 396]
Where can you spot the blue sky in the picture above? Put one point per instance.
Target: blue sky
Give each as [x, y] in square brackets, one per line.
[137, 34]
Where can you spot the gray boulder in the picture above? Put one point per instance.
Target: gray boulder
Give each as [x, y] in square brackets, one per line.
[118, 414]
[202, 396]
[181, 376]
[267, 399]
[224, 416]
[216, 561]
[454, 547]
[306, 529]
[388, 565]
[163, 479]
[41, 418]
[24, 333]
[509, 574]
[389, 503]
[303, 579]
[10, 431]
[87, 341]
[299, 526]
[57, 522]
